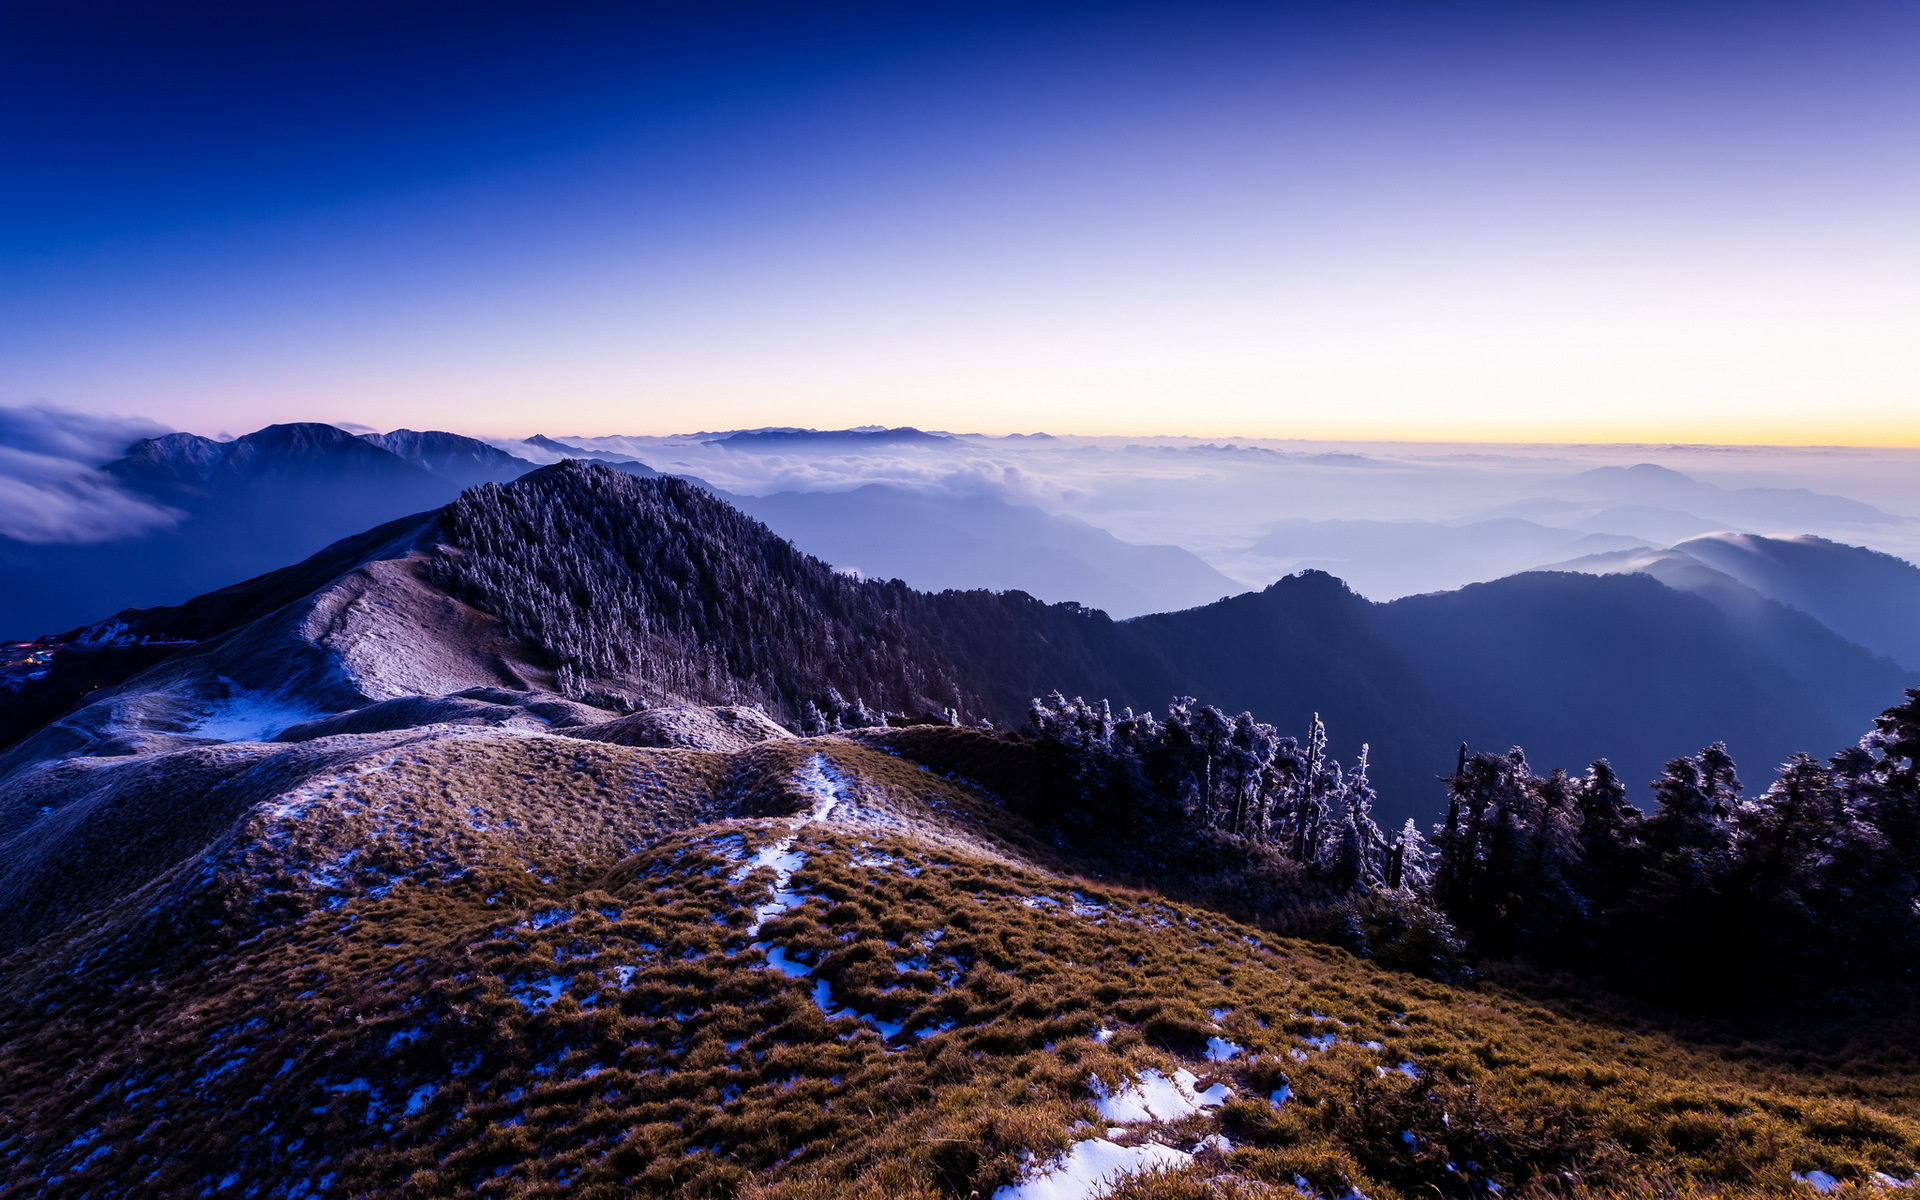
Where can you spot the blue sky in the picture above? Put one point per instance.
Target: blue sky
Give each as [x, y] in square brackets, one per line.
[1396, 220]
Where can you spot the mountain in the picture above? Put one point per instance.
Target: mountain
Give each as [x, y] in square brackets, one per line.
[936, 542]
[1864, 595]
[774, 440]
[249, 505]
[463, 460]
[1574, 668]
[1861, 594]
[550, 450]
[1663, 487]
[634, 593]
[1389, 559]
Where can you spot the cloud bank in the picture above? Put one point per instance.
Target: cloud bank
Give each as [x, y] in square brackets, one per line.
[51, 487]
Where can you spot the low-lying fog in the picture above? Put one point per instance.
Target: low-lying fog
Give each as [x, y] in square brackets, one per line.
[1391, 519]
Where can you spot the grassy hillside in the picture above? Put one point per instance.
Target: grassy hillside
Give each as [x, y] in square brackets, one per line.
[463, 962]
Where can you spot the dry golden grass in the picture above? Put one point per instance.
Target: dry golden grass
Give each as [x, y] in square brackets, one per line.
[566, 1015]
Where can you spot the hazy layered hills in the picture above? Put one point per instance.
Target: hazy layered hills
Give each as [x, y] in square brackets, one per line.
[246, 506]
[639, 592]
[270, 498]
[1861, 594]
[941, 542]
[1608, 510]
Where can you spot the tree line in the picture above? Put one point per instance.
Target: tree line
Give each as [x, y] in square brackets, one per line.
[1806, 890]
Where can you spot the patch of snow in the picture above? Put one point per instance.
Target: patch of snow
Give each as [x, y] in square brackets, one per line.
[1301, 1185]
[1220, 1049]
[1103, 1035]
[1217, 1142]
[823, 996]
[250, 717]
[418, 1097]
[1819, 1181]
[826, 784]
[548, 917]
[1281, 1095]
[536, 994]
[1092, 1169]
[1154, 1097]
[1219, 1014]
[777, 958]
[1323, 1041]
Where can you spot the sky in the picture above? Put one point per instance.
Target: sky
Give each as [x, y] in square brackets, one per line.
[1599, 222]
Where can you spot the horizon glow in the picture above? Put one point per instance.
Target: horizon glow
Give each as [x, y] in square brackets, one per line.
[1383, 222]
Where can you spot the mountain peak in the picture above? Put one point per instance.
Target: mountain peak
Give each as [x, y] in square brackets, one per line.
[768, 439]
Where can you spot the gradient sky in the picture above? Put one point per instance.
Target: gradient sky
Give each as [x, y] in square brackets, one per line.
[1595, 221]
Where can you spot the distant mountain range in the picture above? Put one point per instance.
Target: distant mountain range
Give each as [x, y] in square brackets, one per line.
[624, 592]
[937, 541]
[1864, 595]
[272, 497]
[249, 505]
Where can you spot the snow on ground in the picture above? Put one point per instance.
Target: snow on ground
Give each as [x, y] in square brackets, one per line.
[536, 994]
[791, 968]
[1154, 1097]
[250, 717]
[1092, 1168]
[825, 783]
[828, 787]
[1220, 1049]
[823, 996]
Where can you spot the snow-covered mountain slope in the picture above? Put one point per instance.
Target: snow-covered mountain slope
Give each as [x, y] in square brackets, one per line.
[481, 961]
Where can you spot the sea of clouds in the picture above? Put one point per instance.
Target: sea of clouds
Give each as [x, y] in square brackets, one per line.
[1391, 519]
[51, 488]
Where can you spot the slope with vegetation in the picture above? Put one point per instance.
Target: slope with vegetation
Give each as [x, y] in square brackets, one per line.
[462, 962]
[506, 908]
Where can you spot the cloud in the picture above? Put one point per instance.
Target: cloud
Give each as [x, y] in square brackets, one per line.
[51, 488]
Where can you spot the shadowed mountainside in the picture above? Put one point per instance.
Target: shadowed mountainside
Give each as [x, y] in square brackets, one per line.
[633, 592]
[1861, 594]
[254, 504]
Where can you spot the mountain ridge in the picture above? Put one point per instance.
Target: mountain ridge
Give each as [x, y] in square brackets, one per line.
[628, 592]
